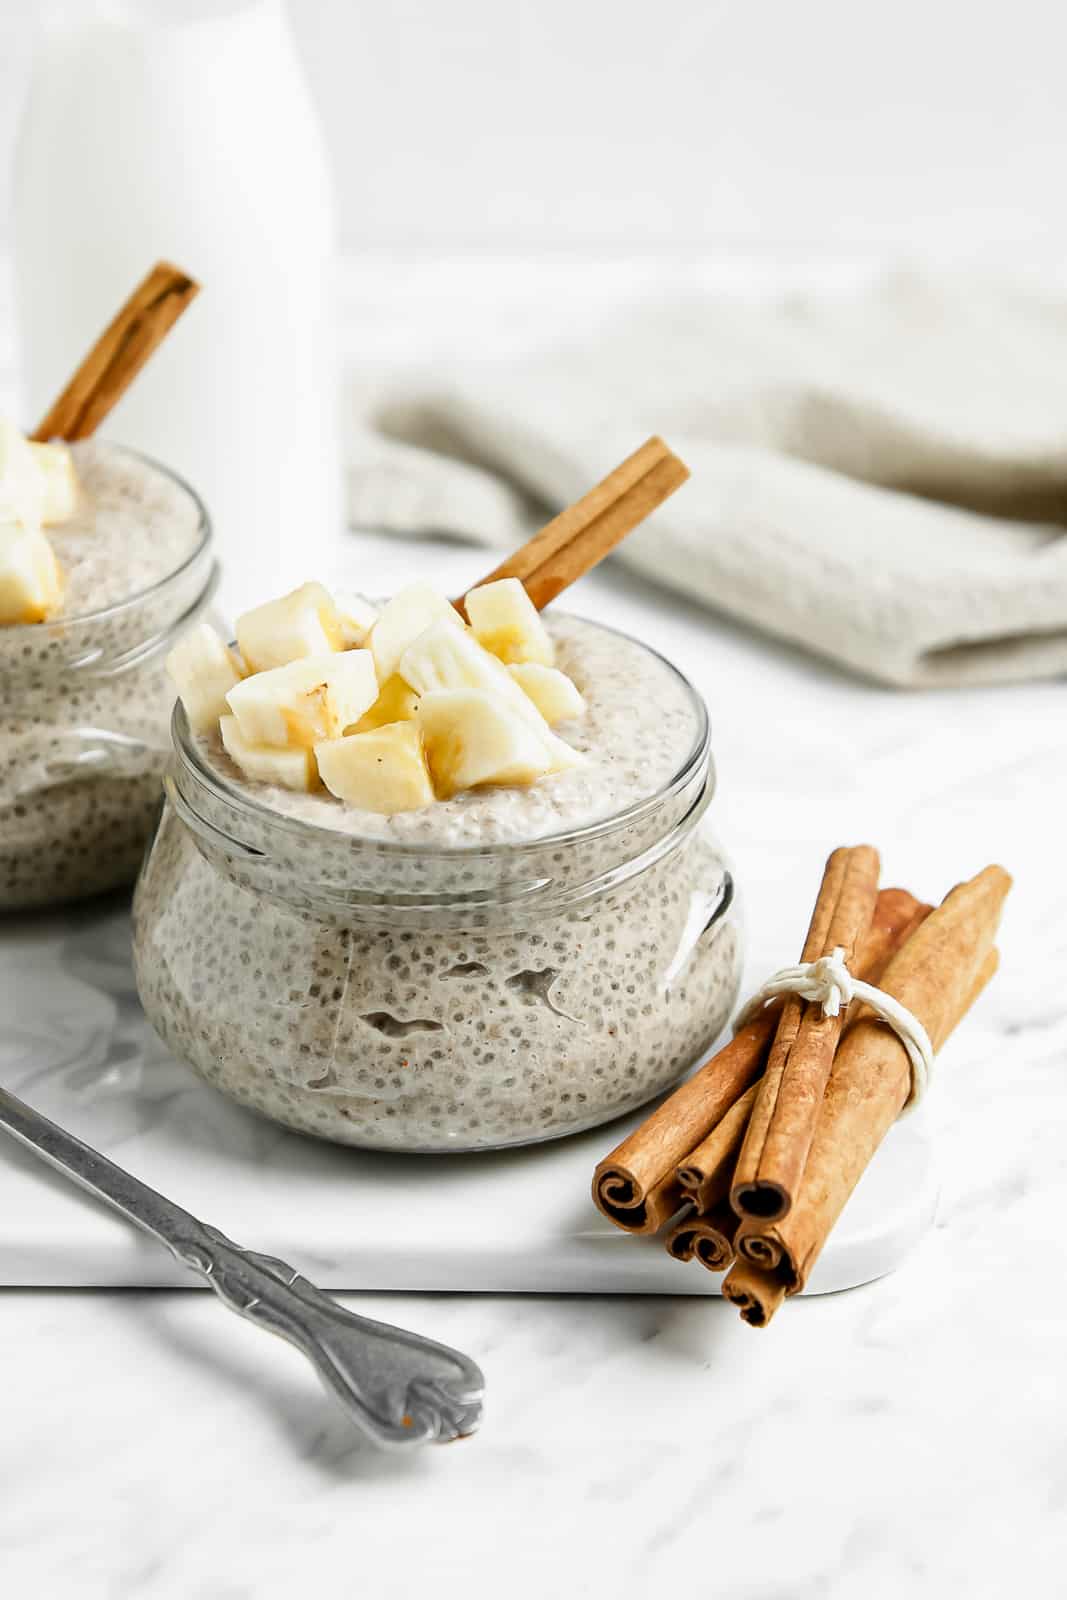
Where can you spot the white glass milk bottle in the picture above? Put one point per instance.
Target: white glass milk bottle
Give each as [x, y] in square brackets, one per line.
[186, 131]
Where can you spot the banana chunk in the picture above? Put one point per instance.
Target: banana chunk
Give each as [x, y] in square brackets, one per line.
[289, 769]
[444, 657]
[555, 695]
[407, 615]
[303, 623]
[55, 464]
[397, 702]
[357, 617]
[315, 698]
[31, 584]
[22, 485]
[471, 739]
[203, 670]
[508, 624]
[382, 771]
[561, 755]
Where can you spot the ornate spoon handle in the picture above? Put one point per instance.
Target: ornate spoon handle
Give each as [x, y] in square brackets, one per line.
[398, 1387]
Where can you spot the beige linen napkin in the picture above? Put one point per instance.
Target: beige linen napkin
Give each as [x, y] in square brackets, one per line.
[881, 480]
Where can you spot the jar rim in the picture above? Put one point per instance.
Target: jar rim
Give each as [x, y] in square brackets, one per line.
[336, 838]
[62, 626]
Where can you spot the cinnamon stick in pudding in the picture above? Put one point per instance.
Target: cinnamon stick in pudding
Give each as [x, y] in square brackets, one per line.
[637, 1185]
[938, 974]
[106, 372]
[583, 534]
[776, 1145]
[708, 1238]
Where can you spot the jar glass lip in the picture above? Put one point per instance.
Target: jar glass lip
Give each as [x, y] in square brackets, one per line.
[61, 627]
[297, 827]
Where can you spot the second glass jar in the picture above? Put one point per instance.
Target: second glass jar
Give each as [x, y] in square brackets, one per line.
[85, 707]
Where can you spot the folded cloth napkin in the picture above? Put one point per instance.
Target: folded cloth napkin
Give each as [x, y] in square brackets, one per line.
[880, 479]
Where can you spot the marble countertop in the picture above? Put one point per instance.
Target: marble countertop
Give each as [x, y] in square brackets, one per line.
[901, 1439]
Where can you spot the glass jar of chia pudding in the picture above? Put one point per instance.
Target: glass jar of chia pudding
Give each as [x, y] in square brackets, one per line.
[508, 966]
[84, 700]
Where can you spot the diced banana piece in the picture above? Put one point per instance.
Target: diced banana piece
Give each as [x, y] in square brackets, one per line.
[305, 701]
[383, 771]
[289, 769]
[562, 755]
[60, 493]
[203, 670]
[408, 614]
[303, 623]
[356, 616]
[21, 481]
[506, 621]
[31, 585]
[552, 692]
[472, 738]
[397, 702]
[450, 658]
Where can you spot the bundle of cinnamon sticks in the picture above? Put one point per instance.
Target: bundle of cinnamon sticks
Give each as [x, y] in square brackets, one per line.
[752, 1160]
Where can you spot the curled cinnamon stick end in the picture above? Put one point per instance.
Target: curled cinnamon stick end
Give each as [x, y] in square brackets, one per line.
[772, 1159]
[620, 1195]
[758, 1243]
[106, 372]
[636, 1185]
[704, 1176]
[756, 1294]
[573, 542]
[707, 1238]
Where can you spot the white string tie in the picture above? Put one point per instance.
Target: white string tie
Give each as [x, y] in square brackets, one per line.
[829, 983]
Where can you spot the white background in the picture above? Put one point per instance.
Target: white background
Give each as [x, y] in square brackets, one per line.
[605, 127]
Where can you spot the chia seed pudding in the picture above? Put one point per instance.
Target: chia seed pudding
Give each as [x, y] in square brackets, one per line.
[509, 965]
[84, 700]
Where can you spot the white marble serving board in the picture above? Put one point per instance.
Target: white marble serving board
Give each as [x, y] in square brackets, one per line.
[79, 1049]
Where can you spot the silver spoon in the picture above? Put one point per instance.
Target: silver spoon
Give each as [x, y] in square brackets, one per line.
[401, 1389]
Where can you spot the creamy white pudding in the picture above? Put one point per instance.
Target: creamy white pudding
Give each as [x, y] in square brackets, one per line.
[637, 726]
